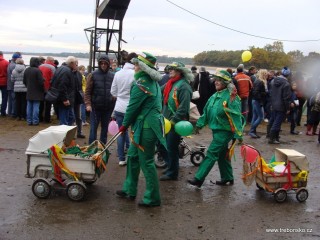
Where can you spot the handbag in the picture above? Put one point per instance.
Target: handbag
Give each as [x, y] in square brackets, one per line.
[79, 97]
[196, 94]
[194, 114]
[52, 95]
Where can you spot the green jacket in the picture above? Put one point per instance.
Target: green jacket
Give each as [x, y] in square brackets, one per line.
[144, 109]
[178, 106]
[216, 111]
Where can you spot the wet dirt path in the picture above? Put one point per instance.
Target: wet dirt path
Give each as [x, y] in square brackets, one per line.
[213, 212]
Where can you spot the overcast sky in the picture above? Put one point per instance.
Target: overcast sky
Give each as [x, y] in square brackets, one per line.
[159, 27]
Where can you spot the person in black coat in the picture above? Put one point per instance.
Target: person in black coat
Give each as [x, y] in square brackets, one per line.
[34, 82]
[78, 101]
[202, 84]
[280, 93]
[98, 99]
[64, 80]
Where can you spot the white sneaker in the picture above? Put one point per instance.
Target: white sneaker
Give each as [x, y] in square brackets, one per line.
[266, 120]
[122, 163]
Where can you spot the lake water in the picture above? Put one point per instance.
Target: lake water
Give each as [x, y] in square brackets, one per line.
[26, 59]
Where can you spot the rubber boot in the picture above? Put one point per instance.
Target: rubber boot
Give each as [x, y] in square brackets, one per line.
[268, 131]
[309, 130]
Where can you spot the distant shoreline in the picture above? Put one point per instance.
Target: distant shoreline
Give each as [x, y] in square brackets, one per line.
[85, 61]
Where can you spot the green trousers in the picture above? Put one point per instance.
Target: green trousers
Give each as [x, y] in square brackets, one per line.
[217, 151]
[144, 160]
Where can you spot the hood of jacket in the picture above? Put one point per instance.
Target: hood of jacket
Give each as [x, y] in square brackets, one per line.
[278, 81]
[104, 57]
[20, 68]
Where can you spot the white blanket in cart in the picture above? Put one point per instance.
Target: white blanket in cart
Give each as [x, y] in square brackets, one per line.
[44, 139]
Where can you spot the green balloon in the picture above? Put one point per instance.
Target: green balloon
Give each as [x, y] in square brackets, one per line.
[183, 128]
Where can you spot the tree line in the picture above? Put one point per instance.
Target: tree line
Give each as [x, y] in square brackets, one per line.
[272, 56]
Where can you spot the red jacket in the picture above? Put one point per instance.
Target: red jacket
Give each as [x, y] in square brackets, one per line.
[244, 85]
[3, 71]
[47, 70]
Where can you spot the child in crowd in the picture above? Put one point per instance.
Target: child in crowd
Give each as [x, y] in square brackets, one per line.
[82, 70]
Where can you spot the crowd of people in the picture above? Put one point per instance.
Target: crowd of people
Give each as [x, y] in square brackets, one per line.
[271, 96]
[140, 99]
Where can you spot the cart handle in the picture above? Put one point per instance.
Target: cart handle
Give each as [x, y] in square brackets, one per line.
[108, 144]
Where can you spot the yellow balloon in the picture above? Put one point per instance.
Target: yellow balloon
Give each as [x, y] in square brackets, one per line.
[167, 126]
[246, 56]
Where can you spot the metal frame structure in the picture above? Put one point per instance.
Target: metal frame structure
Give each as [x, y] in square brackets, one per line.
[109, 13]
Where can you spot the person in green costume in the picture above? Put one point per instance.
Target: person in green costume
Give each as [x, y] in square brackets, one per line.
[222, 113]
[177, 94]
[144, 116]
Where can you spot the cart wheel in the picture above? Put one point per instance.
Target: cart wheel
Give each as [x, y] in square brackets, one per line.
[259, 187]
[159, 161]
[302, 194]
[197, 157]
[41, 188]
[76, 191]
[280, 195]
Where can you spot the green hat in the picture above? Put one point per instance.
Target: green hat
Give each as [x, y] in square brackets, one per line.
[224, 76]
[148, 59]
[176, 66]
[146, 62]
[179, 66]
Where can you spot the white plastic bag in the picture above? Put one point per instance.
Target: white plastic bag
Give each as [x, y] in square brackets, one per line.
[195, 95]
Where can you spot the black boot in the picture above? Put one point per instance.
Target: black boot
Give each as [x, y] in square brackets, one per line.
[195, 182]
[225, 183]
[277, 137]
[123, 194]
[272, 139]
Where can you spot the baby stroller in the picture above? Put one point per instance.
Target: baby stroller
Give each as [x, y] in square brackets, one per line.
[196, 154]
[287, 172]
[55, 164]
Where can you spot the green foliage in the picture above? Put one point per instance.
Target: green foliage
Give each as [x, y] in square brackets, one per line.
[272, 56]
[218, 58]
[310, 64]
[275, 47]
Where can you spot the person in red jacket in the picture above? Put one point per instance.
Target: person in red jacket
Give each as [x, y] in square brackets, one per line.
[3, 83]
[244, 87]
[48, 69]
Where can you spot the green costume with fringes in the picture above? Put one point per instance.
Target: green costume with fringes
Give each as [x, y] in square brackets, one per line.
[144, 116]
[224, 129]
[176, 110]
